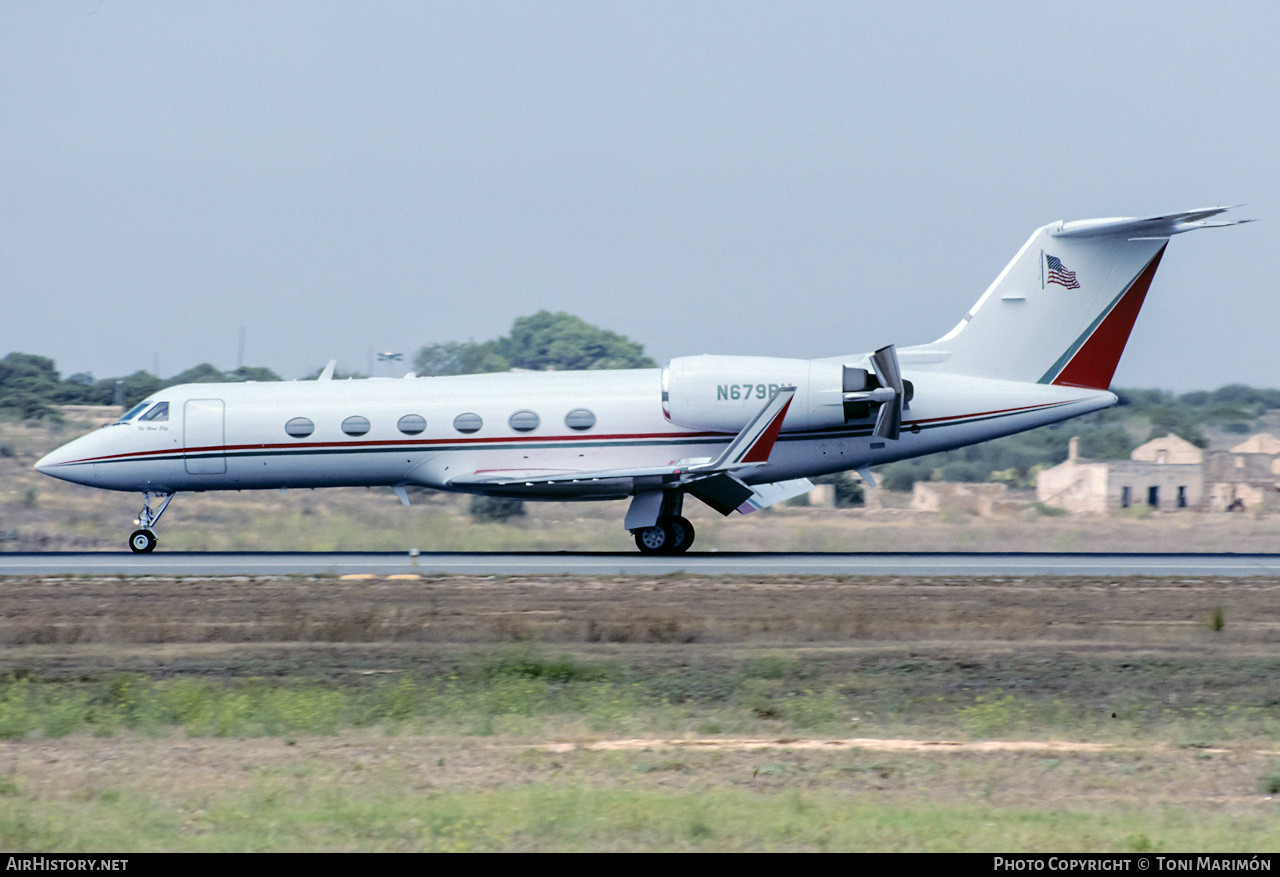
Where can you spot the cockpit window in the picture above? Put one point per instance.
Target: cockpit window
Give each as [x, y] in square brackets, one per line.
[158, 414]
[133, 412]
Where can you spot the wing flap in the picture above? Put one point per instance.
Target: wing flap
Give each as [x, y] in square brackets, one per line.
[727, 494]
[765, 495]
[722, 492]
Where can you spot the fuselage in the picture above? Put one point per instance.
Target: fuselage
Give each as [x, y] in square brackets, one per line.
[436, 431]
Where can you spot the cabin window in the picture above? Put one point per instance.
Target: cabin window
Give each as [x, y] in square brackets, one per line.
[523, 421]
[355, 425]
[467, 423]
[580, 418]
[299, 427]
[158, 414]
[133, 412]
[411, 424]
[1126, 497]
[1153, 497]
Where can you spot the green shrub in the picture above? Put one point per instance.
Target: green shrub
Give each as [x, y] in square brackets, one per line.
[992, 716]
[1269, 782]
[768, 667]
[1048, 511]
[848, 488]
[494, 509]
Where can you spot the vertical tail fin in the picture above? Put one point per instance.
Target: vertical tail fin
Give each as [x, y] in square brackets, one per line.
[1062, 310]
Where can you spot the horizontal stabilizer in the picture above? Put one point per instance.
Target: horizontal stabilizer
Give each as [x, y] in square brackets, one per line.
[1149, 227]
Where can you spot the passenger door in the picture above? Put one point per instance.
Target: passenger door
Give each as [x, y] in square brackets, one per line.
[204, 437]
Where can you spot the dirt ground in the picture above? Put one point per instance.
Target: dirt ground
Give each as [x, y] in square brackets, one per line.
[65, 620]
[1139, 661]
[997, 777]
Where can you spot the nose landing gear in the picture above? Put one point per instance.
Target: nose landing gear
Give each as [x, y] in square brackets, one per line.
[143, 541]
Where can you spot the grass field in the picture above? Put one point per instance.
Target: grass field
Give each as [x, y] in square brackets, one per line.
[563, 713]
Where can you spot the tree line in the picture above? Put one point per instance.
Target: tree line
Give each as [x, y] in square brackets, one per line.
[539, 342]
[32, 388]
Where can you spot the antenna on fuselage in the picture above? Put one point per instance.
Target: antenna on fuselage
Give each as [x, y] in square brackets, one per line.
[327, 374]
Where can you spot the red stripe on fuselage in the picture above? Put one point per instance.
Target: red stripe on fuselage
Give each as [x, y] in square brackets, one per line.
[404, 443]
[910, 423]
[420, 443]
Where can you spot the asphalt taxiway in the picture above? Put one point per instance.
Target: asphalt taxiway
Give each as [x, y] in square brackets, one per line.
[1021, 564]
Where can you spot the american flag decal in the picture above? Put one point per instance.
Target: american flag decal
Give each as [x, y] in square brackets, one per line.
[1059, 274]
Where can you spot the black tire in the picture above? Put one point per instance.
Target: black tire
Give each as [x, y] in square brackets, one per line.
[682, 531]
[657, 539]
[142, 541]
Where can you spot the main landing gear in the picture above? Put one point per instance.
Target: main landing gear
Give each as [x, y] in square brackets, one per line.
[144, 541]
[671, 535]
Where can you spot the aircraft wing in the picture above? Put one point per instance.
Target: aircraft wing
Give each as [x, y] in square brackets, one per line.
[536, 477]
[749, 448]
[721, 490]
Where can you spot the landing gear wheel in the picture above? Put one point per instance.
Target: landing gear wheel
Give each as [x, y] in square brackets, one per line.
[142, 542]
[657, 539]
[682, 531]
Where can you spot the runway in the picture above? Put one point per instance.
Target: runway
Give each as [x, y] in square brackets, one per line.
[599, 564]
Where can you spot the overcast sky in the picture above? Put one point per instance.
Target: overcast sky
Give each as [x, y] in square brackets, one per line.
[790, 178]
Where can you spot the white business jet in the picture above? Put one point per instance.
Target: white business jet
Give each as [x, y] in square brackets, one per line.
[738, 433]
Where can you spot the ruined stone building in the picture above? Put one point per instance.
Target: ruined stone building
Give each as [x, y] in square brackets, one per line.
[1244, 479]
[1165, 473]
[1168, 474]
[1262, 443]
[984, 500]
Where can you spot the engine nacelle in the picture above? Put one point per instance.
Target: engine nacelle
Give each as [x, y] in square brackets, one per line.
[725, 392]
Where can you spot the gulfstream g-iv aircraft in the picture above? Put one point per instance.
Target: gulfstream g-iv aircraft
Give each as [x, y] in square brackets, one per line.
[738, 433]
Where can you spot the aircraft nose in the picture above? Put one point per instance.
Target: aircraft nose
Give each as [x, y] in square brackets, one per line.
[54, 464]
